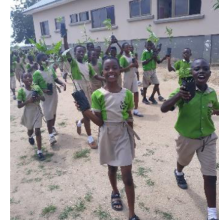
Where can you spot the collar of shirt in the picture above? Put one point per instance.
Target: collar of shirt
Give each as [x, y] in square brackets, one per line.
[186, 61]
[207, 91]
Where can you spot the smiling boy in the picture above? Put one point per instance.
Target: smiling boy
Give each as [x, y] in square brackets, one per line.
[196, 131]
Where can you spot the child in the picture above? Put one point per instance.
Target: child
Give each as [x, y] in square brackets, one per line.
[19, 70]
[82, 73]
[99, 53]
[135, 55]
[12, 76]
[97, 66]
[46, 79]
[89, 47]
[29, 97]
[112, 107]
[31, 66]
[182, 66]
[128, 64]
[149, 60]
[196, 131]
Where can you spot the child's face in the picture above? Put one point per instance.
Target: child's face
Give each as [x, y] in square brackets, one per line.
[149, 46]
[186, 54]
[126, 48]
[131, 48]
[98, 51]
[80, 53]
[90, 46]
[111, 70]
[27, 79]
[201, 72]
[113, 52]
[44, 60]
[93, 56]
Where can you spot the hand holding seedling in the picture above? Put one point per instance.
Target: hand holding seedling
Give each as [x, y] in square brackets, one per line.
[184, 94]
[215, 112]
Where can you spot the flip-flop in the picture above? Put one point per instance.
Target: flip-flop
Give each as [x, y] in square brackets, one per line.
[116, 201]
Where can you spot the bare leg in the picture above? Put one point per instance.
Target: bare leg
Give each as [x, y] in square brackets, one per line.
[210, 190]
[30, 132]
[112, 171]
[38, 138]
[137, 73]
[136, 100]
[50, 124]
[129, 188]
[87, 125]
[144, 92]
[179, 167]
[155, 90]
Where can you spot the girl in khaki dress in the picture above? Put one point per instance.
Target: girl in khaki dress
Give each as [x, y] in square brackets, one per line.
[46, 79]
[112, 107]
[29, 97]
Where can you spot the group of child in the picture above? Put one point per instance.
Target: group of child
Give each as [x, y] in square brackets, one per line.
[99, 76]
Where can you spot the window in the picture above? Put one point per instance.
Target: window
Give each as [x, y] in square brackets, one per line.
[58, 21]
[178, 8]
[44, 26]
[74, 18]
[139, 8]
[84, 16]
[99, 15]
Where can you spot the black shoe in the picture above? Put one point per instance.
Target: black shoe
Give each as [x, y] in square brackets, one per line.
[134, 218]
[214, 219]
[145, 101]
[41, 156]
[181, 182]
[31, 140]
[153, 100]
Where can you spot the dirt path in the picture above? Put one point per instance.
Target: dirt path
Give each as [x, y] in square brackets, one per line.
[74, 186]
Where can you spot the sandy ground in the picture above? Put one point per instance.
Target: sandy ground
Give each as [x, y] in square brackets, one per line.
[73, 187]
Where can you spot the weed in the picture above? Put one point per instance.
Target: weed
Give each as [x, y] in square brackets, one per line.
[23, 157]
[15, 218]
[62, 124]
[142, 206]
[12, 201]
[149, 152]
[15, 190]
[101, 214]
[12, 118]
[48, 210]
[88, 197]
[60, 172]
[119, 176]
[80, 206]
[143, 171]
[81, 154]
[165, 215]
[37, 179]
[28, 172]
[65, 213]
[149, 182]
[53, 187]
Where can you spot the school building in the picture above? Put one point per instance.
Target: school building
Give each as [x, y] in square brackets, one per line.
[195, 23]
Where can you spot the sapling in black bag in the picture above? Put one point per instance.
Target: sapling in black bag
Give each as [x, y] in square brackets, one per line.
[189, 84]
[80, 98]
[62, 29]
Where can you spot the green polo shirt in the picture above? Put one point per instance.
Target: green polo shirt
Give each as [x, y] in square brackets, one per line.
[194, 118]
[183, 69]
[152, 64]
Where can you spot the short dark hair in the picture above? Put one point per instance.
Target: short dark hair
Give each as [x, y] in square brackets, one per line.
[110, 58]
[40, 56]
[113, 48]
[123, 45]
[78, 46]
[193, 62]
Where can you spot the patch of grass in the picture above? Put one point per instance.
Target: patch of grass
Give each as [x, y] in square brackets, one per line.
[48, 210]
[37, 179]
[149, 182]
[101, 214]
[81, 154]
[41, 166]
[138, 161]
[23, 157]
[12, 201]
[119, 176]
[88, 197]
[15, 190]
[143, 171]
[24, 180]
[165, 215]
[65, 213]
[15, 218]
[60, 172]
[29, 172]
[149, 153]
[53, 187]
[12, 118]
[80, 206]
[62, 124]
[142, 206]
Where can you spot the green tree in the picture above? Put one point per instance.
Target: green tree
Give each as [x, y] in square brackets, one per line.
[22, 25]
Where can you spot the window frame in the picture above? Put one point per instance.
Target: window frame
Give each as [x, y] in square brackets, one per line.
[77, 18]
[113, 24]
[173, 11]
[140, 11]
[41, 28]
[87, 12]
[56, 23]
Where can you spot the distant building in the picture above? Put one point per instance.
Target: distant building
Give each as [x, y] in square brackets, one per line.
[195, 23]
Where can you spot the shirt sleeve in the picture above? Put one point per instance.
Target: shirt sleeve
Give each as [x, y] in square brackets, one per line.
[130, 100]
[92, 72]
[143, 56]
[38, 90]
[21, 95]
[54, 73]
[39, 80]
[177, 65]
[122, 62]
[96, 106]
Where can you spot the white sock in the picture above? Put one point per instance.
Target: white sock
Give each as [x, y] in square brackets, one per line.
[135, 111]
[179, 173]
[90, 139]
[212, 213]
[39, 151]
[79, 124]
[51, 135]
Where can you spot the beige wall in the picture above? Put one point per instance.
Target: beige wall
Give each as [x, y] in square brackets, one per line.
[126, 30]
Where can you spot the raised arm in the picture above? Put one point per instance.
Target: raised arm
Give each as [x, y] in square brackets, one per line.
[170, 67]
[121, 50]
[108, 49]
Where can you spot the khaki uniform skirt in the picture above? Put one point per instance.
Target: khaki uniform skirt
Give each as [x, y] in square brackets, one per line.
[32, 116]
[116, 144]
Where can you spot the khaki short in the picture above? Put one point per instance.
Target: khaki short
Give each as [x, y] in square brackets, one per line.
[150, 77]
[205, 149]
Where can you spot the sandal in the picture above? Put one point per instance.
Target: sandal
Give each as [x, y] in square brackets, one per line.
[116, 201]
[134, 218]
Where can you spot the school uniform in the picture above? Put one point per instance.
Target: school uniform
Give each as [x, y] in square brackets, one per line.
[116, 137]
[196, 130]
[149, 74]
[183, 69]
[32, 115]
[42, 79]
[82, 73]
[12, 76]
[130, 77]
[97, 84]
